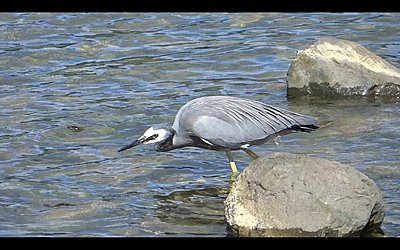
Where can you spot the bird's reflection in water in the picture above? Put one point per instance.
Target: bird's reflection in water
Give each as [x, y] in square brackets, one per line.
[193, 207]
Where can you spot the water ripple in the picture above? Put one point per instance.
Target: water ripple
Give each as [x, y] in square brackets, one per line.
[75, 87]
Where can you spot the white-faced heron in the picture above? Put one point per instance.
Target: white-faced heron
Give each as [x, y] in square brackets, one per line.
[224, 123]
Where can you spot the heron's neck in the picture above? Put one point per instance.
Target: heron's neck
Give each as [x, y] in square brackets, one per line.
[168, 143]
[181, 140]
[173, 141]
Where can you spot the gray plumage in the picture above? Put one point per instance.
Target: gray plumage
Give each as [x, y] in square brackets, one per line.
[232, 122]
[226, 123]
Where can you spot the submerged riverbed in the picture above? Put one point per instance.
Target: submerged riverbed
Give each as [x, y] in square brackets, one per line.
[75, 87]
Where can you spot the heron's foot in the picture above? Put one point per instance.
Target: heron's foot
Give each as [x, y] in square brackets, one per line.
[250, 153]
[233, 178]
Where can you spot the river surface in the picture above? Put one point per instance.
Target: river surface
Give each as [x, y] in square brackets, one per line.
[75, 87]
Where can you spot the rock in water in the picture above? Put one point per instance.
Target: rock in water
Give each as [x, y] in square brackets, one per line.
[296, 195]
[331, 67]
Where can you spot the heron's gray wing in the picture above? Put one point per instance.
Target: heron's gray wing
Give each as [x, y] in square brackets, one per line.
[235, 121]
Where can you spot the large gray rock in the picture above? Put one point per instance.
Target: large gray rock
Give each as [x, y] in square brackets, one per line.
[330, 67]
[295, 195]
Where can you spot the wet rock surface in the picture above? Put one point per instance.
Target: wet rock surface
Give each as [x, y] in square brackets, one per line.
[334, 67]
[295, 195]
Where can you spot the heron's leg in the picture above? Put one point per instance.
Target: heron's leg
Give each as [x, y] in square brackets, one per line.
[231, 162]
[251, 153]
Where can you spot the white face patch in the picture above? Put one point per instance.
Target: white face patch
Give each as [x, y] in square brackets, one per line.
[162, 134]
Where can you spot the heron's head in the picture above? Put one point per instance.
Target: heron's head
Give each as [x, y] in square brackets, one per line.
[162, 136]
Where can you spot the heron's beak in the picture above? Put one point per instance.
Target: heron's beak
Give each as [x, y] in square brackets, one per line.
[136, 142]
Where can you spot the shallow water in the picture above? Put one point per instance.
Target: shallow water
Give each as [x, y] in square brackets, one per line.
[76, 87]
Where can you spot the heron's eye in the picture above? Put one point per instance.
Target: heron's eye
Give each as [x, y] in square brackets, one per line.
[153, 137]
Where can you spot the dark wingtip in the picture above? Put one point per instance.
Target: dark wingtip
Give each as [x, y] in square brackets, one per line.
[311, 126]
[305, 128]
